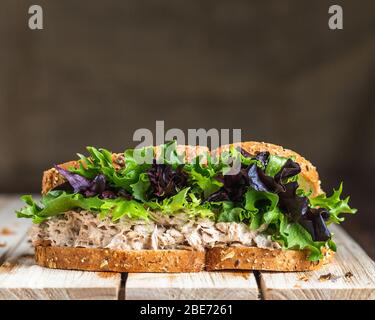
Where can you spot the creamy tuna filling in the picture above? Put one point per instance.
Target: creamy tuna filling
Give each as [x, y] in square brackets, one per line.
[85, 229]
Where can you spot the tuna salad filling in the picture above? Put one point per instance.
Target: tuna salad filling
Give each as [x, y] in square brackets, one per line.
[83, 229]
[116, 201]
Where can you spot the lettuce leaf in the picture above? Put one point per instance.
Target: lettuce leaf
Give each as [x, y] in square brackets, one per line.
[58, 202]
[172, 204]
[141, 188]
[275, 163]
[334, 204]
[118, 208]
[203, 177]
[262, 207]
[55, 203]
[294, 236]
[230, 213]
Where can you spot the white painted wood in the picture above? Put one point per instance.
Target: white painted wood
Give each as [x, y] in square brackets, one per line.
[350, 276]
[12, 229]
[183, 286]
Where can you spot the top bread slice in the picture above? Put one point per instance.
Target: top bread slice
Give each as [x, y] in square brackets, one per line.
[309, 177]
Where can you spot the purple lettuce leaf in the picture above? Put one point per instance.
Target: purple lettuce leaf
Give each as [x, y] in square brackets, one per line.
[166, 181]
[297, 209]
[78, 183]
[288, 170]
[263, 158]
[85, 186]
[257, 179]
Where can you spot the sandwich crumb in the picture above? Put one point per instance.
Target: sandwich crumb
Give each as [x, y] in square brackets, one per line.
[328, 276]
[348, 275]
[304, 278]
[7, 267]
[6, 232]
[106, 274]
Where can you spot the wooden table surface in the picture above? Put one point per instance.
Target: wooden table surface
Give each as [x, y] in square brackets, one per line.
[350, 276]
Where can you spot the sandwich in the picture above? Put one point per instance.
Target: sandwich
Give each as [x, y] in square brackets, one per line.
[185, 210]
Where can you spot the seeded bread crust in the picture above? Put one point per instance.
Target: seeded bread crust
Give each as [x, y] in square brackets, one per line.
[93, 259]
[308, 171]
[230, 258]
[252, 258]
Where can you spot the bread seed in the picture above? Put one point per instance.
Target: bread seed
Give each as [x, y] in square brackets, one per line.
[228, 255]
[104, 264]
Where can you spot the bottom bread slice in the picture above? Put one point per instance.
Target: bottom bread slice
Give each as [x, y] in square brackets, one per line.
[218, 258]
[252, 258]
[94, 259]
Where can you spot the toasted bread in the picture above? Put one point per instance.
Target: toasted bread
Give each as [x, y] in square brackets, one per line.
[253, 258]
[217, 258]
[94, 259]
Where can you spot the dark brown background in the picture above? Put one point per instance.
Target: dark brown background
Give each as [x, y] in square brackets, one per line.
[101, 69]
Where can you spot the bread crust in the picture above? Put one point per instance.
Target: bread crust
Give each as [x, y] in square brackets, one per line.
[217, 258]
[94, 259]
[252, 258]
[308, 170]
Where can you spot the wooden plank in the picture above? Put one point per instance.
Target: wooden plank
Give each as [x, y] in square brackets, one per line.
[21, 279]
[350, 276]
[12, 229]
[183, 286]
[3, 200]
